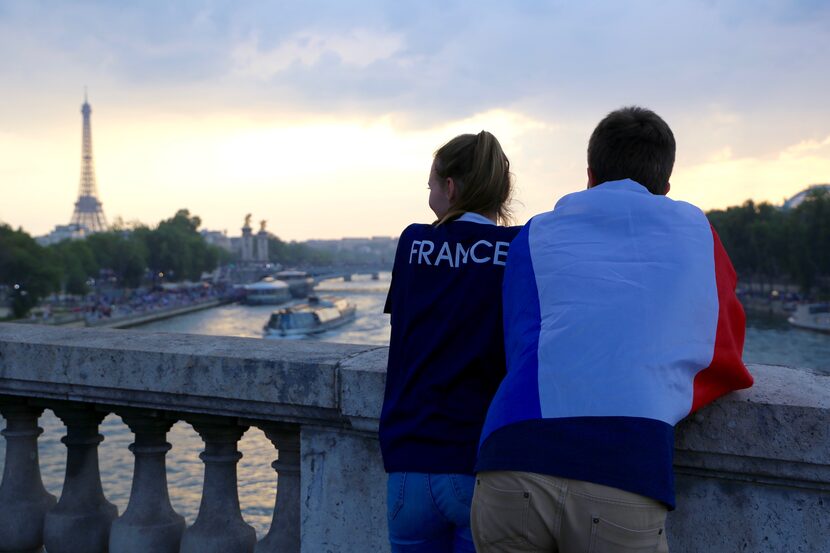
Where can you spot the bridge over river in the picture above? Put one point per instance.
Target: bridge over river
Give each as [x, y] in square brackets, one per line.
[320, 274]
[753, 469]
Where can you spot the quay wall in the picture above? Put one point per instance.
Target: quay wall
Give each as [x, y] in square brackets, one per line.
[137, 319]
[126, 321]
[753, 469]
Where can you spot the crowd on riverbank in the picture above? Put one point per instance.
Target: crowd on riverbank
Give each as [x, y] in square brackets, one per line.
[113, 304]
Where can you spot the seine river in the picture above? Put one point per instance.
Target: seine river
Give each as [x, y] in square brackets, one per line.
[769, 341]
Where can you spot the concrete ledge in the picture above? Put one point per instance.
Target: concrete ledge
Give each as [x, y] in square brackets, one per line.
[236, 376]
[777, 431]
[362, 385]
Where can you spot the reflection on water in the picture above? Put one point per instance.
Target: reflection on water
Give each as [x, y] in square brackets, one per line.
[770, 341]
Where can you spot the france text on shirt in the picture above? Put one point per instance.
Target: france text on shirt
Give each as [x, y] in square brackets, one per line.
[483, 251]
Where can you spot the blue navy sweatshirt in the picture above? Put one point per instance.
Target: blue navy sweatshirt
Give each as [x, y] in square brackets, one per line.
[446, 352]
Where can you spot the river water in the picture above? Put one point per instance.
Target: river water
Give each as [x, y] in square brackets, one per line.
[768, 341]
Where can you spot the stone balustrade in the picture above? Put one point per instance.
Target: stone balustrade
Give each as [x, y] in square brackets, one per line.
[753, 470]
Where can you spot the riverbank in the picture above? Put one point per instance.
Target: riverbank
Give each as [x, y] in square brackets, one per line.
[767, 306]
[156, 315]
[130, 320]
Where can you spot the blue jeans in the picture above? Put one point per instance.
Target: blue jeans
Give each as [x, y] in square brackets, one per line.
[430, 513]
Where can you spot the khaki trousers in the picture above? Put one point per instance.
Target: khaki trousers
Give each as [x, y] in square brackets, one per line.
[528, 512]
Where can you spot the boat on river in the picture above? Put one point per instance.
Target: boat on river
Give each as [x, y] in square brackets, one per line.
[318, 315]
[300, 283]
[812, 316]
[268, 291]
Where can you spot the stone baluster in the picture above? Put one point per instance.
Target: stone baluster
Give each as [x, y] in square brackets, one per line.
[149, 523]
[81, 520]
[284, 534]
[23, 499]
[219, 527]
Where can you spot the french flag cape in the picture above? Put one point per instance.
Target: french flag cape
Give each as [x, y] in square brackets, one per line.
[620, 319]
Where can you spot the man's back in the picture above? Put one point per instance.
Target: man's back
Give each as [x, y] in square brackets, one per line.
[620, 319]
[612, 310]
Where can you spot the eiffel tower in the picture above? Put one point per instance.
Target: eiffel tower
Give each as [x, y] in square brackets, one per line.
[89, 211]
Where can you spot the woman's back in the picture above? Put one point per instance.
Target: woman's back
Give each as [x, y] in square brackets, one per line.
[446, 353]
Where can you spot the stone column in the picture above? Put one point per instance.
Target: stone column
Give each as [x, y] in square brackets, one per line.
[247, 244]
[149, 523]
[284, 534]
[262, 246]
[80, 522]
[219, 528]
[23, 499]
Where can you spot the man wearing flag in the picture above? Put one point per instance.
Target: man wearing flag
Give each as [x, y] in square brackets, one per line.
[620, 319]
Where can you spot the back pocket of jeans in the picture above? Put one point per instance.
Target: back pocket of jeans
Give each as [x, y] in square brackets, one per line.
[462, 487]
[608, 537]
[501, 515]
[395, 486]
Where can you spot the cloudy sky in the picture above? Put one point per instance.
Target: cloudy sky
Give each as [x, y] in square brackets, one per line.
[322, 116]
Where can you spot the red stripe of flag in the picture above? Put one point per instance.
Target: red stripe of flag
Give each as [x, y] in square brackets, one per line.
[727, 371]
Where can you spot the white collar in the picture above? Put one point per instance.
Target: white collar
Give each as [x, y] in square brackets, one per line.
[472, 217]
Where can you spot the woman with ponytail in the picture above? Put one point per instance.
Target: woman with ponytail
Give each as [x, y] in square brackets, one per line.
[446, 353]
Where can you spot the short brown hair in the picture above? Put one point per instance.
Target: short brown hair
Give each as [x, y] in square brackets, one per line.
[633, 143]
[481, 172]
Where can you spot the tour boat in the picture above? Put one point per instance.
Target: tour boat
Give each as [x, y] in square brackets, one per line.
[300, 283]
[812, 316]
[267, 291]
[318, 315]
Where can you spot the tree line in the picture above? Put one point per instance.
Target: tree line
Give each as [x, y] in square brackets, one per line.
[174, 250]
[296, 254]
[768, 244]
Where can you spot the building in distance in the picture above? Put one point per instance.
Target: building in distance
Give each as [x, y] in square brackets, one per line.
[797, 200]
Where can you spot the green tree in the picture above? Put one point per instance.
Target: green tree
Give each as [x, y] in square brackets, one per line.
[769, 244]
[177, 250]
[26, 269]
[77, 264]
[122, 253]
[295, 254]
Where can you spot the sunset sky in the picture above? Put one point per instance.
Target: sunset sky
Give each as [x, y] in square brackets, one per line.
[322, 117]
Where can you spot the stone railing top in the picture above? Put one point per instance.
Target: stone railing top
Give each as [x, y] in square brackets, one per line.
[246, 377]
[785, 416]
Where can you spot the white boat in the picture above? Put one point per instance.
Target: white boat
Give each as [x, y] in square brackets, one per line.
[300, 283]
[267, 291]
[812, 316]
[318, 315]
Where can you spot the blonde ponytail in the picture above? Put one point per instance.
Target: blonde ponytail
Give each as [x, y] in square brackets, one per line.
[481, 173]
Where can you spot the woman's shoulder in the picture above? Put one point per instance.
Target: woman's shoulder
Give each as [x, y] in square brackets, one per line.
[511, 231]
[416, 229]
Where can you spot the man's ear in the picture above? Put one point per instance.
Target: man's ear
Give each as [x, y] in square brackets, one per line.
[451, 190]
[592, 180]
[668, 187]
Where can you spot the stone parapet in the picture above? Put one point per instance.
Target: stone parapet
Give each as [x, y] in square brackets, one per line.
[753, 469]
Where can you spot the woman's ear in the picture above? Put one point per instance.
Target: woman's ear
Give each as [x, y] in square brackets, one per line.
[451, 190]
